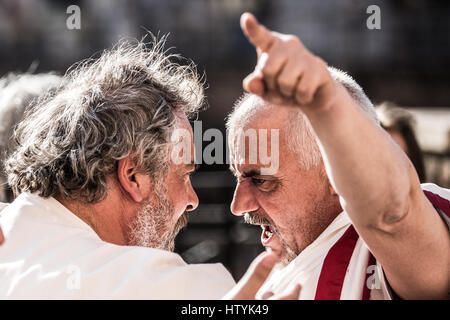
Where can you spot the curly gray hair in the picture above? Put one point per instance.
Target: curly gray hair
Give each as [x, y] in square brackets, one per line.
[119, 105]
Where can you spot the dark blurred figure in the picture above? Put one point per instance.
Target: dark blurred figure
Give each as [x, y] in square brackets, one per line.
[399, 123]
[17, 91]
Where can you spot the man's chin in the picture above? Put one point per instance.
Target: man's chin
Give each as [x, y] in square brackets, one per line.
[278, 252]
[284, 255]
[169, 244]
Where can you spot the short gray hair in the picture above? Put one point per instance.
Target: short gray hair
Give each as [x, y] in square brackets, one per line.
[301, 136]
[121, 104]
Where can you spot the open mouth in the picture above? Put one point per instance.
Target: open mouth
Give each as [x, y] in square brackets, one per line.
[266, 235]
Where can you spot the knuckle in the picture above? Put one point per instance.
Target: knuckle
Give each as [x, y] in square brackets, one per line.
[321, 63]
[286, 93]
[302, 90]
[269, 70]
[308, 99]
[285, 84]
[304, 95]
[292, 40]
[276, 40]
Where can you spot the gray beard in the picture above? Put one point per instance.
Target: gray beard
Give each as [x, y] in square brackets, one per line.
[152, 225]
[290, 255]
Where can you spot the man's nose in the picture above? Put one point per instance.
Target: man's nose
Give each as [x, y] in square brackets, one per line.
[243, 200]
[192, 199]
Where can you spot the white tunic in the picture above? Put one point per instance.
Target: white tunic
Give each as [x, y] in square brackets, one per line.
[339, 265]
[50, 253]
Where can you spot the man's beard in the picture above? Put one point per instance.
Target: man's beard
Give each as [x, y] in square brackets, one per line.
[152, 225]
[290, 253]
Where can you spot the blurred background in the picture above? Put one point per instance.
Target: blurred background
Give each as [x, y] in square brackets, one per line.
[406, 62]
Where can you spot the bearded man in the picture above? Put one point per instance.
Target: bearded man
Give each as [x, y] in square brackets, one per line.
[344, 208]
[101, 195]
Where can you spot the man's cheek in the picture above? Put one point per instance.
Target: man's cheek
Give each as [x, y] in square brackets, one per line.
[270, 206]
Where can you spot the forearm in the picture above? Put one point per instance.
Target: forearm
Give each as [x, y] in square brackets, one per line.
[368, 171]
[377, 184]
[370, 174]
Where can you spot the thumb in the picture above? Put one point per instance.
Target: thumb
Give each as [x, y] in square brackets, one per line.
[254, 83]
[258, 35]
[254, 278]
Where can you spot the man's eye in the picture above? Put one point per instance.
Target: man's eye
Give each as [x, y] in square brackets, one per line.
[258, 182]
[265, 185]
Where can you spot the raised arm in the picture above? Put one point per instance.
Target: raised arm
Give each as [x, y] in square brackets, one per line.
[377, 184]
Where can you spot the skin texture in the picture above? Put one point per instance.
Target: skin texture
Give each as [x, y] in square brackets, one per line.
[376, 183]
[298, 204]
[398, 138]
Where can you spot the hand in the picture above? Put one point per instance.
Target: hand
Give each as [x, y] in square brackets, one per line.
[254, 278]
[2, 238]
[286, 72]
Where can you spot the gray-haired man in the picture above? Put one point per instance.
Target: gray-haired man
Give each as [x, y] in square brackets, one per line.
[100, 200]
[344, 210]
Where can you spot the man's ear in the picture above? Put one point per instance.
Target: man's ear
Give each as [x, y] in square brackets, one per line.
[127, 176]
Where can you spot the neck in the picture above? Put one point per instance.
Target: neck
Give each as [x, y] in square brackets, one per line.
[100, 217]
[324, 214]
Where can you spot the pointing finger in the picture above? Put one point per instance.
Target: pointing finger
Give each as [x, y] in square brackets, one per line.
[256, 33]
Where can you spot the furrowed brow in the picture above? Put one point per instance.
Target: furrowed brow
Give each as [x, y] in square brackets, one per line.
[246, 174]
[250, 173]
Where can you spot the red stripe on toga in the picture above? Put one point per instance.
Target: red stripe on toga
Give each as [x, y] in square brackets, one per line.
[438, 201]
[335, 266]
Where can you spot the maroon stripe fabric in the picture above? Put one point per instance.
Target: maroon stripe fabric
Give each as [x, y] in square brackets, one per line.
[336, 262]
[438, 201]
[366, 290]
[335, 266]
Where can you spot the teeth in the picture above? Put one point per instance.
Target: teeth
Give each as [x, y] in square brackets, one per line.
[267, 233]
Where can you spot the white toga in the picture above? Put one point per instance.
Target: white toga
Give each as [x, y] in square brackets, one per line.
[339, 265]
[49, 253]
